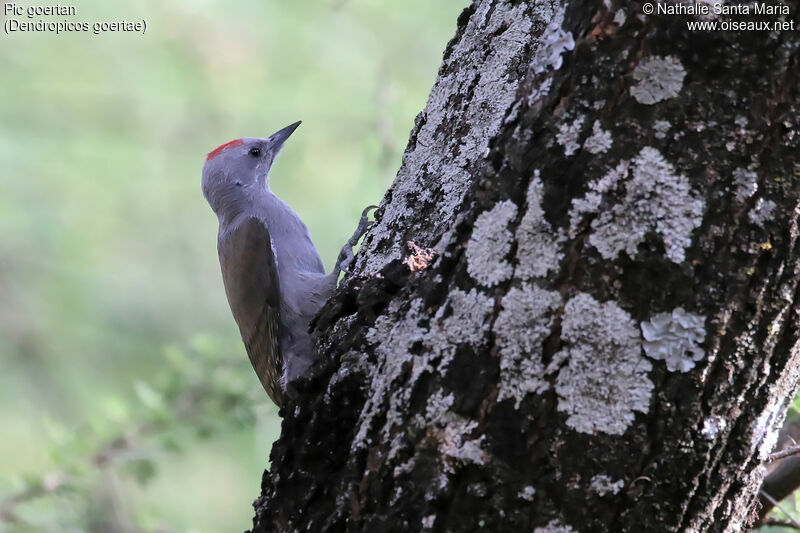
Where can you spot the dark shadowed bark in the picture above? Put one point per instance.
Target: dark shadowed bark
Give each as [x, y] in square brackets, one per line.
[606, 338]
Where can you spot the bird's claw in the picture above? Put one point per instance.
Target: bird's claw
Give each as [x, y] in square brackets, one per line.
[346, 256]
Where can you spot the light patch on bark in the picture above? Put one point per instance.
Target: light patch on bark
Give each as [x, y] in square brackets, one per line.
[602, 485]
[590, 203]
[521, 327]
[540, 91]
[554, 526]
[712, 426]
[658, 78]
[490, 243]
[675, 338]
[351, 362]
[762, 212]
[452, 430]
[600, 140]
[765, 428]
[438, 162]
[552, 45]
[656, 199]
[745, 181]
[661, 127]
[527, 493]
[462, 319]
[392, 340]
[569, 133]
[467, 322]
[603, 397]
[538, 244]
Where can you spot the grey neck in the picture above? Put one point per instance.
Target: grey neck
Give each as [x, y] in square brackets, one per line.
[241, 202]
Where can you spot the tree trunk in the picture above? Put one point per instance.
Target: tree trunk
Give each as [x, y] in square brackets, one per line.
[607, 337]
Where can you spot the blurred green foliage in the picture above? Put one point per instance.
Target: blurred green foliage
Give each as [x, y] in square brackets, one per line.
[111, 304]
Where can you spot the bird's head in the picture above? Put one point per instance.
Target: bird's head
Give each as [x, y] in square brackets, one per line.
[238, 170]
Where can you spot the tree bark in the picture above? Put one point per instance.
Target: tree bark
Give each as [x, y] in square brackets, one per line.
[607, 337]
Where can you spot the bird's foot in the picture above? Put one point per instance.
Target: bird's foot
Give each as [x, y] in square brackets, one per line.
[346, 256]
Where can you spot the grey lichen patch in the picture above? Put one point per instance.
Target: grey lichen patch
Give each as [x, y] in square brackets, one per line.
[656, 199]
[658, 78]
[463, 319]
[762, 212]
[520, 329]
[552, 45]
[453, 433]
[540, 91]
[527, 493]
[490, 243]
[569, 134]
[745, 181]
[660, 128]
[600, 140]
[590, 203]
[675, 338]
[601, 398]
[351, 362]
[439, 163]
[603, 484]
[765, 428]
[554, 526]
[392, 340]
[712, 426]
[538, 244]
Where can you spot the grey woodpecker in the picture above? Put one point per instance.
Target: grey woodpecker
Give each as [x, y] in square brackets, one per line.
[273, 275]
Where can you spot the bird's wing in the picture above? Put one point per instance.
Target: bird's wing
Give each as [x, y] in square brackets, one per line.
[251, 283]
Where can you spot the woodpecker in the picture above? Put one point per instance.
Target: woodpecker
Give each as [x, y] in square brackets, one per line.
[272, 272]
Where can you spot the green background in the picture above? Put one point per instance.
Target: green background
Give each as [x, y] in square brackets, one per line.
[108, 249]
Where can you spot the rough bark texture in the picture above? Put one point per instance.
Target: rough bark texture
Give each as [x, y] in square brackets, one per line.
[606, 340]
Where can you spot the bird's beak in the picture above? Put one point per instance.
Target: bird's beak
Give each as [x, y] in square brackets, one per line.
[277, 139]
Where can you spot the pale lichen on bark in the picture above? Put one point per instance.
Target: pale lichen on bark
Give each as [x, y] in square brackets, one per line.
[569, 134]
[763, 211]
[601, 397]
[490, 243]
[745, 181]
[661, 128]
[600, 140]
[392, 340]
[675, 338]
[453, 433]
[658, 78]
[538, 242]
[603, 484]
[462, 319]
[657, 199]
[555, 526]
[712, 426]
[520, 328]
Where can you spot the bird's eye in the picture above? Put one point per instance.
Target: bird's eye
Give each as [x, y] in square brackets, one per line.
[255, 152]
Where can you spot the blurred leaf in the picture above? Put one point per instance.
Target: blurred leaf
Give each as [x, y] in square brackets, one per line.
[142, 470]
[148, 396]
